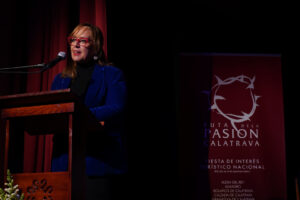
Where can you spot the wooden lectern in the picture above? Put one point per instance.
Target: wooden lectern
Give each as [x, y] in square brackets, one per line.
[51, 112]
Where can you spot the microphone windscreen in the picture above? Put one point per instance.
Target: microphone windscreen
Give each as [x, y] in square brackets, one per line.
[62, 54]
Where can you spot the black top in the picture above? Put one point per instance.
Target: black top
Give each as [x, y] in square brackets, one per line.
[80, 83]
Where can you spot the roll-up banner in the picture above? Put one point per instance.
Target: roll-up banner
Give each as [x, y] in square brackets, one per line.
[231, 141]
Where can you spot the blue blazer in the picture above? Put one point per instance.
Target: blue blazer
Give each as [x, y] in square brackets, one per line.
[106, 98]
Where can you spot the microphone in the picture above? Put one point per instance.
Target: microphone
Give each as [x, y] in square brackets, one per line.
[60, 56]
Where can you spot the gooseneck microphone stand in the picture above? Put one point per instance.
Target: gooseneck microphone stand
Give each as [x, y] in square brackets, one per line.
[60, 56]
[16, 70]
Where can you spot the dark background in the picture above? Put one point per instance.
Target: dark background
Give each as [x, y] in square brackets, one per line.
[144, 39]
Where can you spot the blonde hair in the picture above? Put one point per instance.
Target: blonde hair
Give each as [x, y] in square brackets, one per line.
[97, 46]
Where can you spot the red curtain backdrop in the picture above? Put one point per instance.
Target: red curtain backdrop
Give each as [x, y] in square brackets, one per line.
[49, 24]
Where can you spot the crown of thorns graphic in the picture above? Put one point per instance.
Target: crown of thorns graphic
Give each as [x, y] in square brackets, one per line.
[234, 118]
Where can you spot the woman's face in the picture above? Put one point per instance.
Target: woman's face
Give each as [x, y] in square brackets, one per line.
[81, 45]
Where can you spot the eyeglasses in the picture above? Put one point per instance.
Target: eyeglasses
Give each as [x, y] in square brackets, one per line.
[81, 41]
